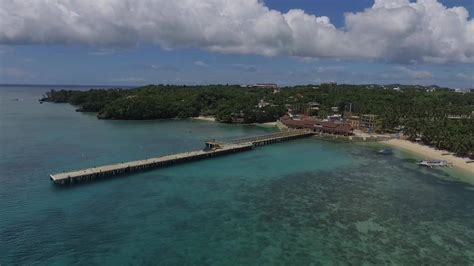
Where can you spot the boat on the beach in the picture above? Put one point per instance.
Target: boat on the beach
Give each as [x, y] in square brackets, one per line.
[434, 163]
[385, 151]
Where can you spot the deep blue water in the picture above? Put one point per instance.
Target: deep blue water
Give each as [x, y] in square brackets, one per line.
[298, 203]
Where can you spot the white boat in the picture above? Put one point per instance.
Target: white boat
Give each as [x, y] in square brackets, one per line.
[434, 163]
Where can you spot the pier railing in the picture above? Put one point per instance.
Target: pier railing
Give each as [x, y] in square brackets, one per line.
[284, 135]
[238, 145]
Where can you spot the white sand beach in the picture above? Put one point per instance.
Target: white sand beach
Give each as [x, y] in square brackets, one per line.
[205, 118]
[432, 153]
[268, 124]
[213, 119]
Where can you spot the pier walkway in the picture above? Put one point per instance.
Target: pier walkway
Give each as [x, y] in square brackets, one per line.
[274, 138]
[212, 149]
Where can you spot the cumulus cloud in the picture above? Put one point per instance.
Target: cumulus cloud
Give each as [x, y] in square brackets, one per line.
[393, 30]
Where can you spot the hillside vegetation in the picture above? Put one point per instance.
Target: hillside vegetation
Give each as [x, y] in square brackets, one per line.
[442, 118]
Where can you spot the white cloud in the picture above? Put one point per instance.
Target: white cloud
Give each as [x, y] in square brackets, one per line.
[393, 30]
[464, 76]
[159, 67]
[200, 64]
[414, 74]
[422, 74]
[103, 52]
[306, 60]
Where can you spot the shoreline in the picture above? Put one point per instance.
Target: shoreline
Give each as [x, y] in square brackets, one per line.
[423, 151]
[431, 153]
[266, 125]
[213, 119]
[204, 118]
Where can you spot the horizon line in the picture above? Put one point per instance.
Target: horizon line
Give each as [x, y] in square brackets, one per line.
[142, 85]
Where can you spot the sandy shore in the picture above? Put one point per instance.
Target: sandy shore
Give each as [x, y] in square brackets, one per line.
[431, 153]
[213, 119]
[268, 124]
[205, 118]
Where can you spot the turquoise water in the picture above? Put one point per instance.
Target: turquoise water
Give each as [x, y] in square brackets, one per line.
[298, 203]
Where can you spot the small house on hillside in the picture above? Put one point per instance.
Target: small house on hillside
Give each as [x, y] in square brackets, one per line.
[313, 108]
[238, 117]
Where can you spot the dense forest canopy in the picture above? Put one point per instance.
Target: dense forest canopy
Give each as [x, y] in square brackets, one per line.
[441, 118]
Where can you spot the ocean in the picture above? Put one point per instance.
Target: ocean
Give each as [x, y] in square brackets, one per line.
[305, 202]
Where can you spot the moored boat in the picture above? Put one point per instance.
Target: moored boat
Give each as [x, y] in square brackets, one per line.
[434, 163]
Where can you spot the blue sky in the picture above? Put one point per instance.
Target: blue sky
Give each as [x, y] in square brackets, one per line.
[335, 9]
[41, 61]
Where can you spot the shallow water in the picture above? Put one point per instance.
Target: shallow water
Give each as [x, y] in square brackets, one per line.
[298, 203]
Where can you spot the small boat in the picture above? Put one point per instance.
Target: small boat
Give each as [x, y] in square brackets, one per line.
[434, 163]
[385, 151]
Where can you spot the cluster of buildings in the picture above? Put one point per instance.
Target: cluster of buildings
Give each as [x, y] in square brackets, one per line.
[316, 125]
[365, 122]
[333, 124]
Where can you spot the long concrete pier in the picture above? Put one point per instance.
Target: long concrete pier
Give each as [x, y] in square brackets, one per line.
[213, 149]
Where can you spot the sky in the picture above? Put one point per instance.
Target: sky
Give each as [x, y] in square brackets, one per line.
[137, 42]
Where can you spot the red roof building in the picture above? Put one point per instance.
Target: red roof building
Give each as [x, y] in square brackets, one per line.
[334, 128]
[308, 122]
[299, 122]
